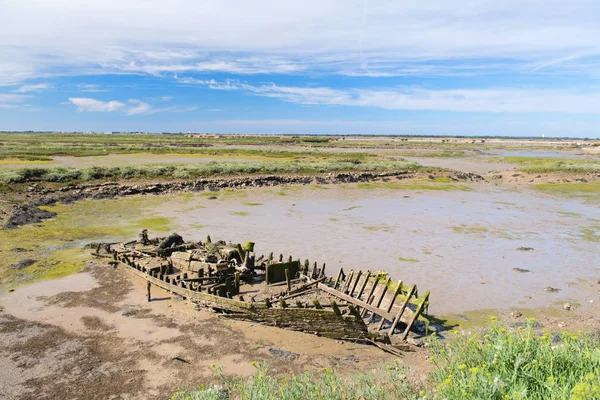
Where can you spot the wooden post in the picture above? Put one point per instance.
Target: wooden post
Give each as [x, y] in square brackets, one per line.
[271, 256]
[318, 305]
[337, 281]
[313, 275]
[401, 310]
[280, 257]
[389, 308]
[148, 289]
[354, 311]
[323, 271]
[347, 282]
[358, 274]
[364, 285]
[415, 315]
[335, 308]
[287, 279]
[236, 281]
[378, 303]
[282, 303]
[299, 304]
[268, 302]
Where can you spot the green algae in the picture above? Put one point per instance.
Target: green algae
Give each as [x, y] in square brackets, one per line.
[470, 230]
[591, 234]
[239, 213]
[250, 204]
[411, 260]
[56, 243]
[378, 228]
[351, 208]
[416, 185]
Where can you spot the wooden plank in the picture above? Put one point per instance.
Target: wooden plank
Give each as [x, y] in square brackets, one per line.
[401, 310]
[337, 281]
[380, 299]
[347, 282]
[358, 274]
[364, 285]
[355, 301]
[389, 307]
[415, 315]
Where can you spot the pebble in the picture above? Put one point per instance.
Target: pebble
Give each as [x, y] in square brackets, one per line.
[567, 306]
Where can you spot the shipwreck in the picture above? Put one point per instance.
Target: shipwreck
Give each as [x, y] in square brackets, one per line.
[279, 291]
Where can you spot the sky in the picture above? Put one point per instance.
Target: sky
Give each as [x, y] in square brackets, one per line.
[435, 67]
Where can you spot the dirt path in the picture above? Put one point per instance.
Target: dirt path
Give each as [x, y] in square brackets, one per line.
[93, 336]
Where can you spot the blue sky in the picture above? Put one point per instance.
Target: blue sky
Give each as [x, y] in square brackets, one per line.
[464, 67]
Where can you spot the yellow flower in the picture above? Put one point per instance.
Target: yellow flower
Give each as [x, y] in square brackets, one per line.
[448, 381]
[588, 356]
[422, 393]
[462, 366]
[550, 379]
[590, 376]
[475, 370]
[502, 330]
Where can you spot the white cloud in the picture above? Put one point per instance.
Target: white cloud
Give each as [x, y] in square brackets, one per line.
[32, 88]
[138, 107]
[132, 107]
[410, 98]
[291, 37]
[92, 105]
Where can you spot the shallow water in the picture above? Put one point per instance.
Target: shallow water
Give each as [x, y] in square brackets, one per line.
[542, 155]
[460, 245]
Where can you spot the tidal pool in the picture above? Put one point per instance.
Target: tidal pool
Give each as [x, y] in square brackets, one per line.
[460, 244]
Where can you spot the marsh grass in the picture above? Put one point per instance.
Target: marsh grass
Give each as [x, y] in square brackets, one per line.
[547, 165]
[190, 171]
[499, 364]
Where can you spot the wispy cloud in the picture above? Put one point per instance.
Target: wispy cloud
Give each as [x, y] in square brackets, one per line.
[91, 88]
[33, 88]
[302, 37]
[411, 98]
[12, 100]
[138, 107]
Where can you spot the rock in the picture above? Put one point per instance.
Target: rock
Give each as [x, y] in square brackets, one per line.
[351, 357]
[286, 355]
[525, 248]
[515, 175]
[516, 314]
[23, 263]
[19, 250]
[212, 197]
[497, 176]
[567, 306]
[551, 290]
[521, 270]
[415, 342]
[27, 214]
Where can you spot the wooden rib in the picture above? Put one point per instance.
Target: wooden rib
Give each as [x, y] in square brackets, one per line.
[337, 281]
[415, 315]
[401, 310]
[378, 303]
[370, 294]
[389, 308]
[347, 282]
[358, 274]
[364, 285]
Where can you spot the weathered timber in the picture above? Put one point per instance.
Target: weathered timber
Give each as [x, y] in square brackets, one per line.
[415, 315]
[355, 301]
[389, 307]
[378, 302]
[401, 310]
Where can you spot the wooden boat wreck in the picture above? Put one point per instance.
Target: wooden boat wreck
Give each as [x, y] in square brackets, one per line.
[277, 291]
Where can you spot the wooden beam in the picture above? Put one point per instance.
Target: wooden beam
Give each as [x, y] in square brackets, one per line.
[337, 281]
[389, 307]
[401, 310]
[358, 274]
[355, 301]
[347, 282]
[370, 295]
[364, 285]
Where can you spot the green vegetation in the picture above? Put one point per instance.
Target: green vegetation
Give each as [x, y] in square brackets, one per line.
[499, 364]
[60, 174]
[250, 204]
[476, 230]
[412, 260]
[414, 185]
[56, 245]
[586, 191]
[239, 213]
[542, 165]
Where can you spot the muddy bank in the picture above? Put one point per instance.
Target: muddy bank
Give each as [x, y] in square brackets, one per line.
[93, 335]
[47, 196]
